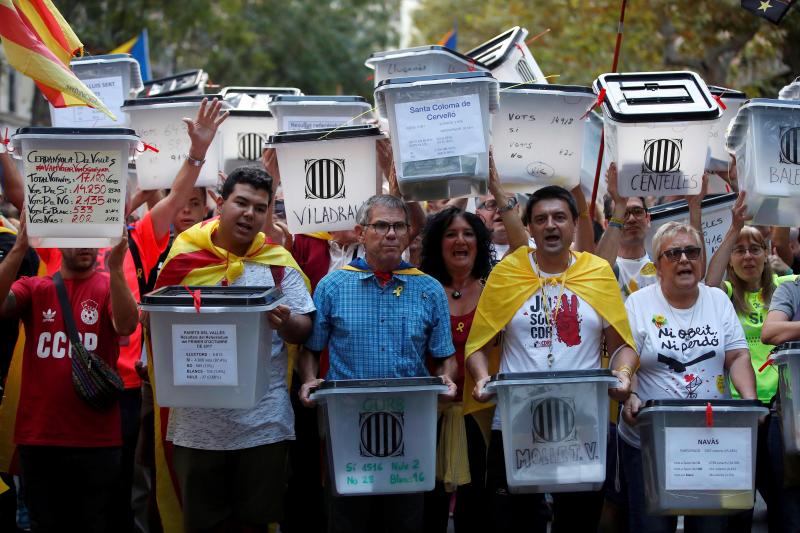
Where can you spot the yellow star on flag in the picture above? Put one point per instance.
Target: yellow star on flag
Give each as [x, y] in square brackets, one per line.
[764, 6]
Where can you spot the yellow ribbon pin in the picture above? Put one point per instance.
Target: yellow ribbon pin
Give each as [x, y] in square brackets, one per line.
[398, 291]
[460, 327]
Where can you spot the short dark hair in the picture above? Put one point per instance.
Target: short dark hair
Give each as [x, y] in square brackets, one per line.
[551, 192]
[432, 260]
[253, 176]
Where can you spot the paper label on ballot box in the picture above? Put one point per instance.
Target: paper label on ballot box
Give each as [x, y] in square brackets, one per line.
[708, 459]
[315, 123]
[74, 186]
[109, 90]
[440, 128]
[204, 354]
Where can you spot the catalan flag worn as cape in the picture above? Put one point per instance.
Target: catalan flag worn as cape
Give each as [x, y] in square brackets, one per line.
[39, 43]
[510, 285]
[195, 260]
[8, 408]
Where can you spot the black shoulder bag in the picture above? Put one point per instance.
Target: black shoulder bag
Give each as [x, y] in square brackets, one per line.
[94, 380]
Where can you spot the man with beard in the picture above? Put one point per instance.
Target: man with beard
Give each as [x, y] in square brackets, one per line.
[70, 452]
[556, 308]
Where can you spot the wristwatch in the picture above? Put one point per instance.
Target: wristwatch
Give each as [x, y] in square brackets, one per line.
[194, 162]
[511, 204]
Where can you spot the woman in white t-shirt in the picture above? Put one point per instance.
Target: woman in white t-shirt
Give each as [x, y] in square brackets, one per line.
[688, 338]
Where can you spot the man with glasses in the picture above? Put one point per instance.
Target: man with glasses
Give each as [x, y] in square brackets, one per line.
[379, 318]
[622, 243]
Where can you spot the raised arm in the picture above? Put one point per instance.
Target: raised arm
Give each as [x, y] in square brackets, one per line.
[201, 132]
[695, 201]
[584, 237]
[608, 247]
[125, 314]
[386, 161]
[517, 236]
[9, 268]
[721, 258]
[12, 181]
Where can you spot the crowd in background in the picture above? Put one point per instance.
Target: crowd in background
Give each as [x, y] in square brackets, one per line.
[440, 288]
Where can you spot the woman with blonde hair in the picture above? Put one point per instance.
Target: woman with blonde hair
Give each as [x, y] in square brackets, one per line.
[689, 340]
[751, 282]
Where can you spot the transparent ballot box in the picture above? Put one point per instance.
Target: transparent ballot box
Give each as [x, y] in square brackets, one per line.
[212, 350]
[76, 182]
[699, 456]
[555, 427]
[381, 434]
[657, 127]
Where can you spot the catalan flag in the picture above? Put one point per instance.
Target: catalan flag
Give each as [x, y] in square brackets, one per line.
[39, 43]
[450, 39]
[139, 49]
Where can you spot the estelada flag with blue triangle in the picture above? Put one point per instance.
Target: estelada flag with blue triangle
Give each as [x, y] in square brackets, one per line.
[772, 10]
[139, 49]
[450, 39]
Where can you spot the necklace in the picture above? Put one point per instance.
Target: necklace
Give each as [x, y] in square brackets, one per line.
[546, 304]
[456, 294]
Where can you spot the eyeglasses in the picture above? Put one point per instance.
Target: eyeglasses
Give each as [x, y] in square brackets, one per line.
[488, 205]
[754, 250]
[674, 254]
[637, 212]
[382, 228]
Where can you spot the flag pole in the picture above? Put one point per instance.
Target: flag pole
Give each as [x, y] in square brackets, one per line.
[614, 64]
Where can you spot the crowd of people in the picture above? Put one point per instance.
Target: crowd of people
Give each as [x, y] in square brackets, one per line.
[448, 288]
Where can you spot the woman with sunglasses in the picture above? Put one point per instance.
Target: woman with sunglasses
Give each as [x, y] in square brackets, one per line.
[688, 339]
[751, 282]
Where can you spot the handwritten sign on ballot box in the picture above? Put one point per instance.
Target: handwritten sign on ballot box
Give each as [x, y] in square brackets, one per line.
[75, 184]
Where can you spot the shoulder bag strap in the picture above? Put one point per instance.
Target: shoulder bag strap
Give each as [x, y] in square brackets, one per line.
[141, 275]
[69, 321]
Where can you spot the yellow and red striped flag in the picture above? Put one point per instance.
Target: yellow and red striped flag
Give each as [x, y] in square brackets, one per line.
[39, 43]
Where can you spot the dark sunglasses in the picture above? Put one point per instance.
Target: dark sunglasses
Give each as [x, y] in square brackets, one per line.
[674, 254]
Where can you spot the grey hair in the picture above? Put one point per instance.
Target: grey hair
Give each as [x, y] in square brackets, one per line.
[385, 200]
[669, 230]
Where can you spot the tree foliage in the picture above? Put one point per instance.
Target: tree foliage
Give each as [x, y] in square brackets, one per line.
[319, 46]
[723, 43]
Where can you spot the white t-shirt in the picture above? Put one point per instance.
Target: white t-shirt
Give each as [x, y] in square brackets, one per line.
[576, 336]
[681, 351]
[271, 420]
[343, 255]
[635, 274]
